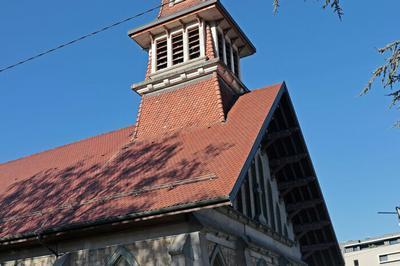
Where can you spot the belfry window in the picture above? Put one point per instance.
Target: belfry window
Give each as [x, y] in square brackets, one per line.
[235, 62]
[194, 42]
[220, 45]
[271, 206]
[228, 50]
[177, 48]
[162, 53]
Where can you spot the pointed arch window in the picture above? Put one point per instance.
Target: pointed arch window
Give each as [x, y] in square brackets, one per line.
[271, 206]
[256, 189]
[278, 219]
[264, 199]
[247, 191]
[122, 257]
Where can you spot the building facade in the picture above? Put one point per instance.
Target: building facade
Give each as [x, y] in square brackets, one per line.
[212, 173]
[378, 251]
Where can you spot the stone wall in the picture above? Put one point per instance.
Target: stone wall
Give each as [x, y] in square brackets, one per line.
[209, 237]
[148, 252]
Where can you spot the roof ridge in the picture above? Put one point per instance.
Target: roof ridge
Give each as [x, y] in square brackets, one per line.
[66, 145]
[278, 84]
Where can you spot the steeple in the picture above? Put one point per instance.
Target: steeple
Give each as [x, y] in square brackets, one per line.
[194, 49]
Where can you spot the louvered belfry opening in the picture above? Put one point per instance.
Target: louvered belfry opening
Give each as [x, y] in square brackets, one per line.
[235, 62]
[194, 43]
[162, 53]
[177, 48]
[228, 54]
[220, 45]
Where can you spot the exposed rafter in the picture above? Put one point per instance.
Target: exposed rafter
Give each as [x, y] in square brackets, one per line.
[274, 136]
[287, 186]
[280, 163]
[303, 205]
[297, 185]
[303, 229]
[317, 247]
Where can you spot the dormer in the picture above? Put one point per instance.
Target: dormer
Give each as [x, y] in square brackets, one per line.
[191, 38]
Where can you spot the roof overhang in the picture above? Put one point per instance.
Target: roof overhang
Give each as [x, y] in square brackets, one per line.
[211, 10]
[115, 221]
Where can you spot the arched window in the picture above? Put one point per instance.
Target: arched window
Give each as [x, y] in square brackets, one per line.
[122, 257]
[262, 187]
[271, 207]
[247, 191]
[256, 194]
[278, 219]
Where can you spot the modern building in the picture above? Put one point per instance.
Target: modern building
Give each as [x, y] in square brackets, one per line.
[212, 173]
[377, 251]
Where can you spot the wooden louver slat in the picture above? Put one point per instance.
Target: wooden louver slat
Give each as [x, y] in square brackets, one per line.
[177, 49]
[228, 50]
[194, 43]
[161, 54]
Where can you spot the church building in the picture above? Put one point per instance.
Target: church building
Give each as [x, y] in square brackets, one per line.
[212, 173]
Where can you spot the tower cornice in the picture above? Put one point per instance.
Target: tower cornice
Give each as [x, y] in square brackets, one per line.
[187, 72]
[210, 10]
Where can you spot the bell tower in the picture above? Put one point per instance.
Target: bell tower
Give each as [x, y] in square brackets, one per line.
[193, 73]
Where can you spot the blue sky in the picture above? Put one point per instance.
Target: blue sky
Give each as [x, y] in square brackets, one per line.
[83, 90]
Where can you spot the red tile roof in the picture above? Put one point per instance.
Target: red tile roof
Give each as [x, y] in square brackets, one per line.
[112, 175]
[198, 104]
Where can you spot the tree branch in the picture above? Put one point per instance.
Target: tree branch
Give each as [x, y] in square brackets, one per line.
[334, 4]
[389, 73]
[276, 6]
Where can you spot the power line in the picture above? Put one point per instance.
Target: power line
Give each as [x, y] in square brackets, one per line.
[63, 45]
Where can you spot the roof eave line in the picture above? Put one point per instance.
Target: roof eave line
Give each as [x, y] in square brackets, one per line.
[134, 217]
